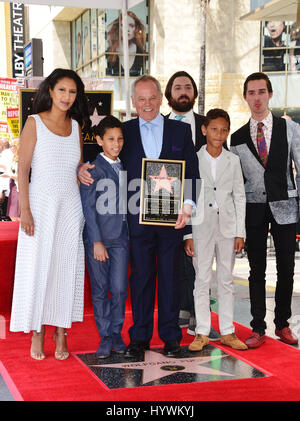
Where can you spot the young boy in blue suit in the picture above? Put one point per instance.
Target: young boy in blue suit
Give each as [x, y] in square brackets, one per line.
[106, 237]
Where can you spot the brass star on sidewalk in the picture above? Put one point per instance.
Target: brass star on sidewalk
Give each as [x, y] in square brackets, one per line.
[156, 366]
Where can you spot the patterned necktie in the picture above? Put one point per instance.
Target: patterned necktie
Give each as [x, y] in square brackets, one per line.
[117, 166]
[179, 117]
[261, 144]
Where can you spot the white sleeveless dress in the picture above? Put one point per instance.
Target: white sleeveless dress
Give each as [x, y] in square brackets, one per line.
[49, 273]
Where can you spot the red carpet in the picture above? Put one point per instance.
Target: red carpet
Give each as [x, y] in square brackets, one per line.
[52, 380]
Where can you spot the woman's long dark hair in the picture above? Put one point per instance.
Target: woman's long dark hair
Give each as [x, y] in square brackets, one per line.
[43, 102]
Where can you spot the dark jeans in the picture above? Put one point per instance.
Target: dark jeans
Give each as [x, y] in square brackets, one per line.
[284, 237]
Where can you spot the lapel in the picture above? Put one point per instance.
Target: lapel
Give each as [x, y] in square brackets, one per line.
[276, 147]
[108, 168]
[166, 144]
[137, 144]
[222, 165]
[247, 136]
[204, 167]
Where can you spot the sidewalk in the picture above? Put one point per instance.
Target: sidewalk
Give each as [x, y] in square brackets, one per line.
[242, 302]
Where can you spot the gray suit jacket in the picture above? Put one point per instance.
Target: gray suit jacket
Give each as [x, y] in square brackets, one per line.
[229, 193]
[275, 183]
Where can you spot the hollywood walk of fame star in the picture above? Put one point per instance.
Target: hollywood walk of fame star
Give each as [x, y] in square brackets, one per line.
[156, 366]
[96, 118]
[163, 181]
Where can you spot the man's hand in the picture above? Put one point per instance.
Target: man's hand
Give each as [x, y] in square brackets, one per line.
[84, 175]
[189, 247]
[100, 252]
[239, 244]
[184, 216]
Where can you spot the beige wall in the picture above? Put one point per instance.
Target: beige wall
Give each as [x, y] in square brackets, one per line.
[232, 54]
[56, 37]
[232, 49]
[175, 35]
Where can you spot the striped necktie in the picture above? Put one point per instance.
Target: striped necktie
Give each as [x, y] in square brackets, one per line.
[117, 166]
[261, 144]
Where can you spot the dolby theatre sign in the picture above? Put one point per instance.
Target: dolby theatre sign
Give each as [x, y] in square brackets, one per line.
[17, 39]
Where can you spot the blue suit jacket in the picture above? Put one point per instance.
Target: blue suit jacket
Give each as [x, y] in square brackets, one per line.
[177, 144]
[102, 195]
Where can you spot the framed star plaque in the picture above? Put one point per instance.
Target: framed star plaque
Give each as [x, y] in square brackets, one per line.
[162, 186]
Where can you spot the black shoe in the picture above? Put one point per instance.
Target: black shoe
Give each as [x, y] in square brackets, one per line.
[136, 349]
[172, 349]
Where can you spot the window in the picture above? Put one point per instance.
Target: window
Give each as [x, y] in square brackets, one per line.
[280, 59]
[97, 49]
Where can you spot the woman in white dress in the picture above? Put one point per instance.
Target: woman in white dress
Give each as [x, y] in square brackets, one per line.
[49, 274]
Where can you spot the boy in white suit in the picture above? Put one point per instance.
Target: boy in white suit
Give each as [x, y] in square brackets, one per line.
[218, 230]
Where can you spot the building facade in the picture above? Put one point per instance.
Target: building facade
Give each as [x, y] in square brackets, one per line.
[164, 37]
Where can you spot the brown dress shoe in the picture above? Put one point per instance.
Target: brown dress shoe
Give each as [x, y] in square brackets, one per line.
[255, 340]
[199, 343]
[287, 336]
[233, 341]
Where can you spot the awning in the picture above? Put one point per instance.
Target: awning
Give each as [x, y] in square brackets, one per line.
[276, 10]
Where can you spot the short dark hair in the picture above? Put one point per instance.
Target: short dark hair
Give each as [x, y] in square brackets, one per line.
[43, 102]
[258, 76]
[215, 113]
[181, 73]
[108, 122]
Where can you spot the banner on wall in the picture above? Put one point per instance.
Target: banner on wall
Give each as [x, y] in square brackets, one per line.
[13, 121]
[9, 99]
[100, 105]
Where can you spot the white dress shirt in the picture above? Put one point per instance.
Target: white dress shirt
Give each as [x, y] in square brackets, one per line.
[213, 162]
[188, 118]
[111, 161]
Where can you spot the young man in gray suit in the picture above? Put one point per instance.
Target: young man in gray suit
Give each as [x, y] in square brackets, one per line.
[269, 148]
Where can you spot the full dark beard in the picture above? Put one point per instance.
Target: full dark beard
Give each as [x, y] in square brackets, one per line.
[181, 107]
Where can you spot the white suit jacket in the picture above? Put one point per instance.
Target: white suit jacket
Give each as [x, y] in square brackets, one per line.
[227, 190]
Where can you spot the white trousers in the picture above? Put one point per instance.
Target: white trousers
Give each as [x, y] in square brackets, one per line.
[209, 245]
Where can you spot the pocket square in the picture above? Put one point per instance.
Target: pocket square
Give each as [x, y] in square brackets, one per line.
[175, 149]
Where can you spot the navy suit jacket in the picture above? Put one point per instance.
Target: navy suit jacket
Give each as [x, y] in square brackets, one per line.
[103, 194]
[200, 138]
[177, 144]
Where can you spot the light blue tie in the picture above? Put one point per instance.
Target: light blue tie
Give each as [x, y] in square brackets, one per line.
[179, 117]
[149, 143]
